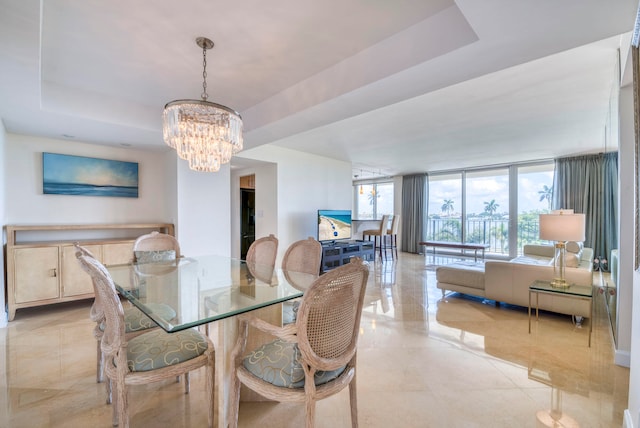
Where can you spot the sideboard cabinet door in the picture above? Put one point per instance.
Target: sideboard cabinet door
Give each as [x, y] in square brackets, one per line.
[36, 274]
[75, 281]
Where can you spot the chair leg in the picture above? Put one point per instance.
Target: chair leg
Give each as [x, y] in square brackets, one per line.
[234, 406]
[311, 413]
[121, 405]
[100, 363]
[187, 383]
[353, 402]
[209, 385]
[108, 387]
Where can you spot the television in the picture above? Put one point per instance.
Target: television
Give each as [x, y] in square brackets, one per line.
[334, 225]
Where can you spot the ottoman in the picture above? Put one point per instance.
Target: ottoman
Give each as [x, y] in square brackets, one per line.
[463, 277]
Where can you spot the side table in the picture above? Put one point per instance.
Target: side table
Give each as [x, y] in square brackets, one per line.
[573, 291]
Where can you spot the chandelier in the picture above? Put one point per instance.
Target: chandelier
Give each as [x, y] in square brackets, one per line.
[204, 133]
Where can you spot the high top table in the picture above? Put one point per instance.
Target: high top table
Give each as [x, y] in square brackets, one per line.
[210, 290]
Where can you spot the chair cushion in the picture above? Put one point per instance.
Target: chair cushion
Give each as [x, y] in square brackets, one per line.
[155, 256]
[135, 320]
[157, 349]
[277, 363]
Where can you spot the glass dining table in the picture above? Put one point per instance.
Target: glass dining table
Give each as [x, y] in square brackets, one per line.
[210, 290]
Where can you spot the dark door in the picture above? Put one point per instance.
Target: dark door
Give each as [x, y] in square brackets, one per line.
[247, 220]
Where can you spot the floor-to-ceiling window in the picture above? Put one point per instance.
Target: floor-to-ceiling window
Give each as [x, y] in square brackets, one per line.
[445, 207]
[535, 195]
[498, 206]
[487, 208]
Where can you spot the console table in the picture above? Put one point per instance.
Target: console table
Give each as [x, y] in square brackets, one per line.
[456, 245]
[573, 291]
[338, 253]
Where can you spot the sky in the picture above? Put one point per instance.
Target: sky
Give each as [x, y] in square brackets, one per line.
[482, 188]
[98, 172]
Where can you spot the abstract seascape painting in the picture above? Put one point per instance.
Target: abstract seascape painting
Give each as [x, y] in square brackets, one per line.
[78, 175]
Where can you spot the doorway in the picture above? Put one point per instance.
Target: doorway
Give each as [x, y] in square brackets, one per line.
[247, 213]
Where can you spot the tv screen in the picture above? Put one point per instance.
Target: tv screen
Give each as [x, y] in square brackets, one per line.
[334, 225]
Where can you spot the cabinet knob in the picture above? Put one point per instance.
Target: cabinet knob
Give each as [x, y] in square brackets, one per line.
[53, 272]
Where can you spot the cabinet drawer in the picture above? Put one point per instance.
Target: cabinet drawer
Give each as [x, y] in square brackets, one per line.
[36, 274]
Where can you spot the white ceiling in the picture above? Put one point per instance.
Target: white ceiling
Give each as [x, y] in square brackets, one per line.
[392, 86]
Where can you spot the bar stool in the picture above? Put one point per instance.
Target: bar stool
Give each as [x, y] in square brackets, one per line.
[380, 232]
[393, 235]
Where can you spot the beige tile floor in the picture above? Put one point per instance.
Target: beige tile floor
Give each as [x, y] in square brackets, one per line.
[423, 361]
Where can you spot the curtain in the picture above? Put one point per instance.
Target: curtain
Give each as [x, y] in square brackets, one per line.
[414, 212]
[589, 184]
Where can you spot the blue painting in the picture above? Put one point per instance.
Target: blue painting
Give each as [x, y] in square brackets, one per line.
[78, 175]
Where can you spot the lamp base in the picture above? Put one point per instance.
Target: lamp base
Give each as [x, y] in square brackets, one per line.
[560, 283]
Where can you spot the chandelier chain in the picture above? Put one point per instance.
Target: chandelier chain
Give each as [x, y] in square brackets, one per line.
[204, 74]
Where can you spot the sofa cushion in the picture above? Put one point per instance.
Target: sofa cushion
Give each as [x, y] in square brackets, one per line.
[468, 274]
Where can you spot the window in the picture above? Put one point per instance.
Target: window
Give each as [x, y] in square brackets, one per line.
[373, 200]
[495, 206]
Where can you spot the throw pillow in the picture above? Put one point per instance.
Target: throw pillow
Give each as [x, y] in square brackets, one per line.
[574, 246]
[572, 260]
[155, 256]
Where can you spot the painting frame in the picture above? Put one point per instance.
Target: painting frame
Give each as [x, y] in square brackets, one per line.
[74, 175]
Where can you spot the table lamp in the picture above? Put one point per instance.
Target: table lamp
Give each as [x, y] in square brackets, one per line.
[561, 226]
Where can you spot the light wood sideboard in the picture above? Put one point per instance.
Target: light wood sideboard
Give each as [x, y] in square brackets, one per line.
[41, 263]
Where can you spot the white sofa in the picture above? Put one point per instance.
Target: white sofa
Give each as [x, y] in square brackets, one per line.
[508, 281]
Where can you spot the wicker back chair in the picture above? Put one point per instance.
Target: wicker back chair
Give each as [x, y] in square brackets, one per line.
[156, 245]
[149, 357]
[263, 251]
[379, 235]
[303, 256]
[313, 358]
[261, 257]
[136, 322]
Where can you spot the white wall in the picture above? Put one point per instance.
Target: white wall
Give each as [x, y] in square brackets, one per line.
[306, 183]
[3, 216]
[626, 224]
[203, 222]
[26, 204]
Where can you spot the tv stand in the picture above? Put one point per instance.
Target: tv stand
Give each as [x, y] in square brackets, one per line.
[338, 253]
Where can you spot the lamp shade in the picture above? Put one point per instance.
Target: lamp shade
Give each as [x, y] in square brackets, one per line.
[562, 226]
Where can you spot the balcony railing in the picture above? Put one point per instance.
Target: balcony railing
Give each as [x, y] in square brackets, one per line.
[494, 232]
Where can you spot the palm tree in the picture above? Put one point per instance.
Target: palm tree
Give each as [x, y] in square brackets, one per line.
[491, 207]
[447, 207]
[546, 193]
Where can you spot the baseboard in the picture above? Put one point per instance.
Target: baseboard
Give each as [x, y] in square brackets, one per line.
[622, 358]
[627, 422]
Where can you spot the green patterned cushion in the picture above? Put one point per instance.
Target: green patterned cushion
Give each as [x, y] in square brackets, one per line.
[155, 256]
[157, 349]
[277, 363]
[135, 320]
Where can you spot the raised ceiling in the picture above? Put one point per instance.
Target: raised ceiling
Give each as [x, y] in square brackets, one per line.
[396, 87]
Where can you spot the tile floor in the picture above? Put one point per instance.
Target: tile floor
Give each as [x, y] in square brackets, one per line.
[423, 361]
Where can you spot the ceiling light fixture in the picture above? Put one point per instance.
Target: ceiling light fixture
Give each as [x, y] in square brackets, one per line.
[204, 133]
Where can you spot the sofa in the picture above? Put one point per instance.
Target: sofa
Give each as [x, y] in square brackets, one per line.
[509, 281]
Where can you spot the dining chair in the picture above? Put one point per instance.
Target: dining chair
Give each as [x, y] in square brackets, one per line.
[135, 322]
[261, 257]
[393, 235]
[148, 357]
[312, 358]
[303, 256]
[379, 235]
[155, 246]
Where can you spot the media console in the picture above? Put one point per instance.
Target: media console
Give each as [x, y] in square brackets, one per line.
[338, 253]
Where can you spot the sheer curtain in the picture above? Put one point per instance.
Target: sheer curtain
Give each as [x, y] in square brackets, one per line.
[414, 212]
[589, 184]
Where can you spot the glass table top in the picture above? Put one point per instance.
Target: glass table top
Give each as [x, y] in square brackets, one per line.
[572, 289]
[205, 288]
